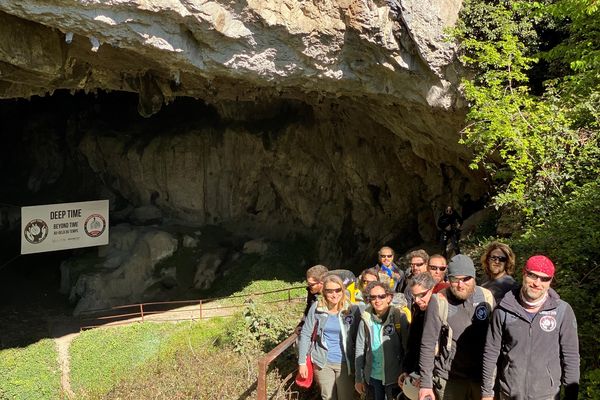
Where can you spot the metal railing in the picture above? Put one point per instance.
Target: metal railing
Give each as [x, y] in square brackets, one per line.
[182, 310]
[263, 365]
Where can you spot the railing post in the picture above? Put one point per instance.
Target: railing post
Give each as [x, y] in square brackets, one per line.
[261, 382]
[200, 303]
[142, 311]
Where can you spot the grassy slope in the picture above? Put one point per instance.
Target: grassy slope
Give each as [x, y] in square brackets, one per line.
[31, 372]
[207, 359]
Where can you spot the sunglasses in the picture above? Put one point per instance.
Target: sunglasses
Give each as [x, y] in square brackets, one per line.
[312, 284]
[497, 259]
[336, 290]
[417, 264]
[455, 279]
[386, 255]
[378, 296]
[420, 295]
[437, 268]
[366, 282]
[535, 277]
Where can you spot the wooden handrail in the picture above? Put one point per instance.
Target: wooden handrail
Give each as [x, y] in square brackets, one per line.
[263, 365]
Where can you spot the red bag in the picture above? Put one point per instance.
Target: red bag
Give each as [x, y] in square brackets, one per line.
[306, 382]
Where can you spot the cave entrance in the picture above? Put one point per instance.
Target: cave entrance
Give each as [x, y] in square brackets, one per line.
[29, 297]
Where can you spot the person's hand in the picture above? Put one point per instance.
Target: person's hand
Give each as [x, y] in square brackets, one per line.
[487, 397]
[360, 387]
[426, 394]
[417, 382]
[303, 371]
[401, 379]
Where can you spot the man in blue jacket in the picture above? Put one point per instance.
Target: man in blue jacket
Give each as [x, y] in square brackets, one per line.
[532, 341]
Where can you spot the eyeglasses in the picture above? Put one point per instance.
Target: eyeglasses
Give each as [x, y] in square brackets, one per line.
[312, 284]
[386, 255]
[455, 279]
[336, 290]
[417, 264]
[366, 282]
[418, 296]
[535, 277]
[497, 258]
[378, 296]
[437, 268]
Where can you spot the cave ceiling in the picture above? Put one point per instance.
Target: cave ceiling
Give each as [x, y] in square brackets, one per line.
[371, 89]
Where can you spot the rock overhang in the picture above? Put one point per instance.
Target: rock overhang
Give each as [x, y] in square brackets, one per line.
[381, 71]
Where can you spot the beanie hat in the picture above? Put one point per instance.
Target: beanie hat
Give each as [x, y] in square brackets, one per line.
[461, 265]
[540, 264]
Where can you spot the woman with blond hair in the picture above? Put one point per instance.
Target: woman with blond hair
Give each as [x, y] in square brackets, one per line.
[328, 335]
[498, 262]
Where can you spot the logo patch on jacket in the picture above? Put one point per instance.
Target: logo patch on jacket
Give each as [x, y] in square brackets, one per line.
[388, 329]
[349, 319]
[481, 312]
[548, 323]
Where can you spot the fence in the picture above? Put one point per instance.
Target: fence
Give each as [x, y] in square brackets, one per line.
[181, 310]
[263, 365]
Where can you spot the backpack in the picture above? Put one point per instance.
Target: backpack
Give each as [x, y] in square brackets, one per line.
[445, 340]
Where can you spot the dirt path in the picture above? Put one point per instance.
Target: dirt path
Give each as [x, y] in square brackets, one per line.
[64, 330]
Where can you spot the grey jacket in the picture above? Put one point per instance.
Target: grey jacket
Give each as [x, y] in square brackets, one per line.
[469, 320]
[348, 320]
[394, 338]
[532, 357]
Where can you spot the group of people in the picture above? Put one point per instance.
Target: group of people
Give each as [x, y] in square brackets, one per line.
[430, 332]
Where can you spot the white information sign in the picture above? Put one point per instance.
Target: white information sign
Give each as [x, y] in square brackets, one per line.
[64, 226]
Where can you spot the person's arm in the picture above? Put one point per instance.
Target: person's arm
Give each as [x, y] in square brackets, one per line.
[569, 354]
[431, 334]
[359, 354]
[306, 334]
[493, 343]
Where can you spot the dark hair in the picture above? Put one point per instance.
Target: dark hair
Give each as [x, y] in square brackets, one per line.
[373, 285]
[424, 279]
[418, 253]
[510, 263]
[318, 272]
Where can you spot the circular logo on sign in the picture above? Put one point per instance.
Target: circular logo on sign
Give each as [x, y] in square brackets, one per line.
[94, 225]
[388, 329]
[36, 231]
[481, 312]
[548, 323]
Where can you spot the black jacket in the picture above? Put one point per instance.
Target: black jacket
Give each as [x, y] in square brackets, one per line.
[533, 357]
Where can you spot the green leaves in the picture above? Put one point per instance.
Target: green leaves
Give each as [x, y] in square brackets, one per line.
[532, 146]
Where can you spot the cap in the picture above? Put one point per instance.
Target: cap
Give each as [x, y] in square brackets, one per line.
[461, 265]
[541, 264]
[410, 390]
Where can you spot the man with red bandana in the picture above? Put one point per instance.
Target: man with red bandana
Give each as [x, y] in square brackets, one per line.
[532, 341]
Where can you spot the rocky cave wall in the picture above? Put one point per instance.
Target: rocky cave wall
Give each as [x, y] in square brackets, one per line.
[338, 119]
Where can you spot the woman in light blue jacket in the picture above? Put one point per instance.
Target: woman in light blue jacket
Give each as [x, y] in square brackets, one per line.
[335, 322]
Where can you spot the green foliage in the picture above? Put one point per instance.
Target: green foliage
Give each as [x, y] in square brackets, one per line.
[31, 372]
[540, 145]
[536, 149]
[261, 329]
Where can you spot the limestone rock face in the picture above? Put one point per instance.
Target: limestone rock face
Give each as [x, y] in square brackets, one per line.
[219, 49]
[339, 119]
[123, 272]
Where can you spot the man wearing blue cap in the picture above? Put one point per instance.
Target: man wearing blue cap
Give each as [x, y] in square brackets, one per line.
[456, 323]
